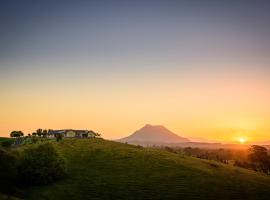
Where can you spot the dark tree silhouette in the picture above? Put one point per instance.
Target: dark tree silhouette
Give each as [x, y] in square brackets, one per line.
[44, 133]
[259, 159]
[39, 132]
[16, 134]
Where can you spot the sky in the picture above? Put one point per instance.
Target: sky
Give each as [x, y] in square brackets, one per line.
[200, 68]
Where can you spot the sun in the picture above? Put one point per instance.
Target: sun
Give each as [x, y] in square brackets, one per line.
[242, 140]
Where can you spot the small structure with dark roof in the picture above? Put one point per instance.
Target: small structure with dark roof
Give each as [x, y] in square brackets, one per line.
[70, 133]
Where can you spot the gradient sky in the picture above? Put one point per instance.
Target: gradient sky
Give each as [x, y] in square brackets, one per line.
[200, 68]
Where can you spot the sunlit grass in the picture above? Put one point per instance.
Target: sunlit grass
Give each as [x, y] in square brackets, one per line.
[100, 169]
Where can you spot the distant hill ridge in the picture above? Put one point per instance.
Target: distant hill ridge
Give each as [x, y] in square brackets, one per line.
[154, 133]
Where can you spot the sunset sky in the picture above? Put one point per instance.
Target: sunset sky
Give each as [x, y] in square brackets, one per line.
[200, 68]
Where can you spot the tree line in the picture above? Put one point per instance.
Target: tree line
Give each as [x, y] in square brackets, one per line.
[258, 159]
[39, 132]
[20, 138]
[255, 158]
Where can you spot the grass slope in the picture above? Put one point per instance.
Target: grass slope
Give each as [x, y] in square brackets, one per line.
[99, 169]
[2, 139]
[8, 197]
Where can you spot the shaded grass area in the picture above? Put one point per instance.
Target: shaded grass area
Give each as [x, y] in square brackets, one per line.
[2, 139]
[8, 197]
[6, 142]
[99, 169]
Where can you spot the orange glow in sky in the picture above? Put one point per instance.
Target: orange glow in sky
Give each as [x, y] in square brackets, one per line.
[199, 69]
[220, 108]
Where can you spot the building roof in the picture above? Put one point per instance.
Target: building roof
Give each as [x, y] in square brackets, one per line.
[66, 130]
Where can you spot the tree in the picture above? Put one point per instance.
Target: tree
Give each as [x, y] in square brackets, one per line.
[39, 132]
[259, 158]
[41, 165]
[16, 134]
[44, 133]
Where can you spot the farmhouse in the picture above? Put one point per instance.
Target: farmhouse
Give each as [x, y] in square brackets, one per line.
[70, 133]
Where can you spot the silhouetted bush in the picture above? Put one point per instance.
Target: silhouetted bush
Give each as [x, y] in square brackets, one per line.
[169, 149]
[41, 165]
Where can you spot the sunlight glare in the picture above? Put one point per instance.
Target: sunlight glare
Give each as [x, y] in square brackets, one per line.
[242, 140]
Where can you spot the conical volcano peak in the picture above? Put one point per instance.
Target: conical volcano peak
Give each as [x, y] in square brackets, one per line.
[152, 126]
[154, 133]
[155, 128]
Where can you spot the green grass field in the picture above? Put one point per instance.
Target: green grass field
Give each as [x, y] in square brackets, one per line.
[5, 139]
[100, 169]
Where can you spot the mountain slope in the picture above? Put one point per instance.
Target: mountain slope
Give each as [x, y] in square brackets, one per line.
[158, 134]
[99, 169]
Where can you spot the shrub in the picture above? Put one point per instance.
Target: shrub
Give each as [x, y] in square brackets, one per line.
[41, 165]
[8, 171]
[169, 149]
[34, 139]
[59, 137]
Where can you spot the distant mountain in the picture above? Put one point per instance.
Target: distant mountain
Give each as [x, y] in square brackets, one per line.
[154, 134]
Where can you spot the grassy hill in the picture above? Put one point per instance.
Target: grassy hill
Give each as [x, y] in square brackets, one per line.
[2, 139]
[100, 169]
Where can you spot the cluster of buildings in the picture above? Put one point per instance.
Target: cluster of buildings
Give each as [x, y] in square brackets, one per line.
[70, 133]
